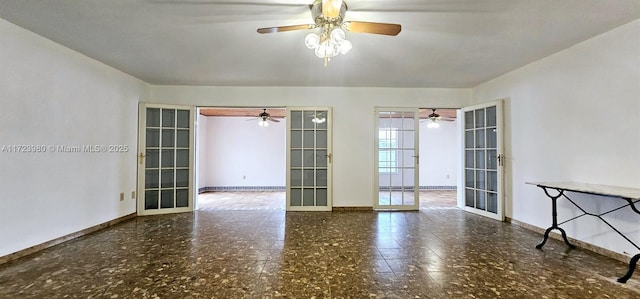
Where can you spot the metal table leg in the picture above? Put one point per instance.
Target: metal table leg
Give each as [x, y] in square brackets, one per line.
[554, 216]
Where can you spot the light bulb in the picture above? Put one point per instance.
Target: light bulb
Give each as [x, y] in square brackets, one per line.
[312, 40]
[263, 123]
[433, 125]
[345, 47]
[337, 35]
[321, 50]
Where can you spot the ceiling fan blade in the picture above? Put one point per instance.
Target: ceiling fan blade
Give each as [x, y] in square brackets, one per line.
[331, 8]
[375, 28]
[273, 119]
[285, 28]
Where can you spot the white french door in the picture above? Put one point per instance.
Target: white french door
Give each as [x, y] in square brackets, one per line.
[165, 159]
[482, 128]
[396, 158]
[309, 156]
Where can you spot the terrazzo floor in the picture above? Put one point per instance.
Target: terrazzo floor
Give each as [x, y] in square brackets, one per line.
[275, 200]
[431, 253]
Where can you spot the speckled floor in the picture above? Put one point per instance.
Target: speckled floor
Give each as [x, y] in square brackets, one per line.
[431, 253]
[275, 200]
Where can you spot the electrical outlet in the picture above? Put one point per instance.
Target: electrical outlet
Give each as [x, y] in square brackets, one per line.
[121, 196]
[244, 177]
[133, 194]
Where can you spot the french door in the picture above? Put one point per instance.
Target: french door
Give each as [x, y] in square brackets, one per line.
[165, 159]
[309, 158]
[483, 160]
[396, 176]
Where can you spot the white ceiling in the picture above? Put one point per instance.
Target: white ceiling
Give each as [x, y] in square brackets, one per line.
[443, 43]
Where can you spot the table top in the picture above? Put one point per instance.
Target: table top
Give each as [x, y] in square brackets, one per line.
[606, 190]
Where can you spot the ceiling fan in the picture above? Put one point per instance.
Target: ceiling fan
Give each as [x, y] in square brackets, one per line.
[264, 118]
[434, 119]
[328, 16]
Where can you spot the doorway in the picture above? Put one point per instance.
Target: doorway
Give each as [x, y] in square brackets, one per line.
[438, 170]
[240, 156]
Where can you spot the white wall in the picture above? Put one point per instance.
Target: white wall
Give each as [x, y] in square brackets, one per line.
[575, 116]
[235, 151]
[51, 95]
[353, 120]
[439, 151]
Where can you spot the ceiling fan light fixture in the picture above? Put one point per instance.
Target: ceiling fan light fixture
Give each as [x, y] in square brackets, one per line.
[312, 40]
[263, 123]
[433, 124]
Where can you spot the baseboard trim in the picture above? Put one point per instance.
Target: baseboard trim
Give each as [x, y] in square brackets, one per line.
[352, 209]
[33, 249]
[580, 244]
[241, 188]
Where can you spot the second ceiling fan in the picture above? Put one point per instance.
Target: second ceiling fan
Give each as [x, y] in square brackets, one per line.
[328, 15]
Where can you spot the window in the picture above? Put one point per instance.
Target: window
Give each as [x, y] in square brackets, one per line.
[387, 155]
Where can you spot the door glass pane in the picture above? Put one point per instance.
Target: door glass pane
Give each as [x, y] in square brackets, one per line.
[168, 138]
[408, 197]
[296, 197]
[492, 160]
[167, 158]
[321, 139]
[468, 120]
[492, 181]
[468, 139]
[152, 158]
[168, 118]
[408, 177]
[182, 178]
[492, 139]
[308, 139]
[321, 197]
[183, 138]
[296, 177]
[308, 197]
[151, 199]
[321, 158]
[308, 177]
[308, 157]
[183, 119]
[307, 120]
[408, 139]
[480, 200]
[296, 120]
[166, 199]
[182, 198]
[182, 158]
[153, 138]
[480, 180]
[491, 116]
[480, 159]
[468, 159]
[492, 202]
[152, 179]
[296, 158]
[167, 178]
[469, 178]
[153, 117]
[479, 138]
[469, 198]
[479, 118]
[296, 139]
[321, 178]
[408, 158]
[322, 119]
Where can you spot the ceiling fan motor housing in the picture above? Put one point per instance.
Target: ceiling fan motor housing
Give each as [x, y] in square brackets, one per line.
[321, 20]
